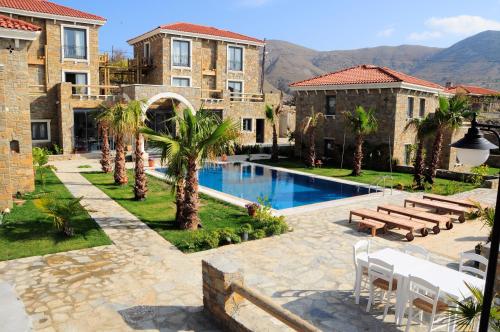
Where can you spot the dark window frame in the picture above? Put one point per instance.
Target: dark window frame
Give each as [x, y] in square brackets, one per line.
[328, 108]
[410, 108]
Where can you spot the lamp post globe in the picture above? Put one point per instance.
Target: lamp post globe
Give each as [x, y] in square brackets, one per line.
[472, 157]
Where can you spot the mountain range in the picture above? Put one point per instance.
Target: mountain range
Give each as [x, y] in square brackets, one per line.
[474, 60]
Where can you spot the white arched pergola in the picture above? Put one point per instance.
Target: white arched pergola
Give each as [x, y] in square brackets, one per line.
[167, 95]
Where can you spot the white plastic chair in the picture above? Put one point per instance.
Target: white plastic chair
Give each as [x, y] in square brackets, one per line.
[361, 247]
[381, 276]
[468, 256]
[423, 297]
[415, 250]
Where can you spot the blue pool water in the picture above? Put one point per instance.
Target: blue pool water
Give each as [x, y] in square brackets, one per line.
[283, 189]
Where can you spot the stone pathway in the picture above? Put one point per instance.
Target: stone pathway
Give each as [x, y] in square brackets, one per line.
[141, 282]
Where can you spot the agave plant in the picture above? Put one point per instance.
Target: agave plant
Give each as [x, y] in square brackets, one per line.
[466, 313]
[62, 211]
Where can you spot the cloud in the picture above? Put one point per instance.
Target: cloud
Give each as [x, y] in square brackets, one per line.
[461, 25]
[386, 32]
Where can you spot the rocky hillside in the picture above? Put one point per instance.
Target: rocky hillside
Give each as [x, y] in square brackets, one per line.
[474, 60]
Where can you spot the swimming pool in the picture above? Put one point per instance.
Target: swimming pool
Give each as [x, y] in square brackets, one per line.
[283, 189]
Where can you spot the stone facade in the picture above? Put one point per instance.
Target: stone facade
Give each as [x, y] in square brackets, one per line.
[209, 76]
[46, 71]
[16, 165]
[391, 111]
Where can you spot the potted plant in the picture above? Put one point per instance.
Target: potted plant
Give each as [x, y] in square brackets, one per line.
[3, 215]
[245, 230]
[151, 162]
[252, 209]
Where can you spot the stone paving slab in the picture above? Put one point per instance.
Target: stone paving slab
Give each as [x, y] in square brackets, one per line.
[142, 282]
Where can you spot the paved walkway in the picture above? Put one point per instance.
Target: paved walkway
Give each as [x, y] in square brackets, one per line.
[141, 282]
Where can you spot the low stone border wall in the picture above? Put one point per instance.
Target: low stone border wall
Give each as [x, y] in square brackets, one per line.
[224, 291]
[444, 174]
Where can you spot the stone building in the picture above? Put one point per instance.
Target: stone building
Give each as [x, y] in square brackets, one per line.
[63, 65]
[16, 166]
[213, 69]
[395, 97]
[482, 99]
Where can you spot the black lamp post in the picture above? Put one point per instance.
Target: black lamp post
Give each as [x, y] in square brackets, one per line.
[474, 150]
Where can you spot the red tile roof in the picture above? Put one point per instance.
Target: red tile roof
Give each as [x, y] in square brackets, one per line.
[364, 74]
[471, 89]
[205, 30]
[11, 23]
[47, 7]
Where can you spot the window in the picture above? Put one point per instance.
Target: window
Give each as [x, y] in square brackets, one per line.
[421, 110]
[408, 152]
[247, 124]
[409, 111]
[235, 58]
[331, 105]
[181, 81]
[147, 53]
[77, 79]
[40, 130]
[235, 86]
[75, 43]
[181, 53]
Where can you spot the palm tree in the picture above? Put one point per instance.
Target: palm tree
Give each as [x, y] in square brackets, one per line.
[135, 121]
[424, 127]
[272, 115]
[362, 123]
[309, 125]
[449, 116]
[103, 120]
[200, 137]
[120, 127]
[62, 211]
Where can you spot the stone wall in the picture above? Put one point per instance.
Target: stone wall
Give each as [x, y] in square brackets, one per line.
[390, 107]
[16, 170]
[46, 66]
[208, 64]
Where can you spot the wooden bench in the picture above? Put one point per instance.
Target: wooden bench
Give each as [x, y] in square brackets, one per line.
[462, 202]
[439, 207]
[373, 225]
[420, 215]
[392, 221]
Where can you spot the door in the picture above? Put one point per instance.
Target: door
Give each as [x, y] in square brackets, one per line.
[86, 136]
[259, 130]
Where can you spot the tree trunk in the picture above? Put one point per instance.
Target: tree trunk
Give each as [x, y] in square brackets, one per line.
[120, 170]
[436, 157]
[105, 156]
[311, 157]
[274, 152]
[67, 230]
[418, 166]
[179, 202]
[140, 187]
[191, 204]
[358, 156]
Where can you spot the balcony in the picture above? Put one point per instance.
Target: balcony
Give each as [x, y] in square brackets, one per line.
[217, 98]
[95, 92]
[75, 52]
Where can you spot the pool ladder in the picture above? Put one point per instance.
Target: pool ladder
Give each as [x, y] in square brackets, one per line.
[382, 179]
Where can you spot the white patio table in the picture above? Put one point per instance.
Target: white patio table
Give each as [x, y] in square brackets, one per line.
[451, 282]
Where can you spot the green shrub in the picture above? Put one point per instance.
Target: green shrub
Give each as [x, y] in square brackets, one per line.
[228, 236]
[478, 174]
[246, 228]
[258, 234]
[276, 227]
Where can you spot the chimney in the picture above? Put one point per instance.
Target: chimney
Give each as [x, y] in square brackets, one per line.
[449, 84]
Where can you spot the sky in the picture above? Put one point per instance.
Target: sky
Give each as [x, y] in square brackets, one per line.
[318, 24]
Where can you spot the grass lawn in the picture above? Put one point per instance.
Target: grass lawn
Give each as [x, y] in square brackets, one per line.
[28, 232]
[158, 210]
[441, 186]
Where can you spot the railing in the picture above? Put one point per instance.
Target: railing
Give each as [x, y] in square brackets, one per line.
[246, 97]
[382, 179]
[290, 319]
[210, 96]
[75, 52]
[93, 92]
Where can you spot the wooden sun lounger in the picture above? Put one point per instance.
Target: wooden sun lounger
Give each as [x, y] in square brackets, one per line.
[392, 221]
[462, 202]
[419, 215]
[373, 225]
[439, 207]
